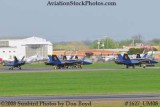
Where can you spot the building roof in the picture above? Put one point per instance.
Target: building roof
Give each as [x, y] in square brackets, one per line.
[16, 37]
[31, 40]
[28, 40]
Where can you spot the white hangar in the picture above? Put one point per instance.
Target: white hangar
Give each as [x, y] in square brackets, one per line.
[29, 46]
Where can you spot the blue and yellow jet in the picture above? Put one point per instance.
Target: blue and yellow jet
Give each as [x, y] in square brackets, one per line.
[15, 64]
[66, 64]
[125, 60]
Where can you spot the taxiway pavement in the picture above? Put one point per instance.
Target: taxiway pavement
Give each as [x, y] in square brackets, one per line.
[84, 97]
[51, 69]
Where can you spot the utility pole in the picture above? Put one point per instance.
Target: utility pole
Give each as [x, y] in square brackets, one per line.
[133, 42]
[98, 43]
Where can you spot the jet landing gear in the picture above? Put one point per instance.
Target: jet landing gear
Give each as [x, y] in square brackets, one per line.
[15, 67]
[19, 68]
[127, 66]
[11, 68]
[133, 66]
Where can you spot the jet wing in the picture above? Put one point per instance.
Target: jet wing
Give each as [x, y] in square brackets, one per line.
[148, 61]
[135, 62]
[8, 64]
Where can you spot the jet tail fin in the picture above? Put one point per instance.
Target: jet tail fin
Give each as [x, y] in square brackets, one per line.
[64, 57]
[15, 59]
[123, 58]
[120, 57]
[23, 58]
[145, 55]
[56, 59]
[50, 58]
[126, 57]
[76, 57]
[138, 56]
[71, 57]
[83, 58]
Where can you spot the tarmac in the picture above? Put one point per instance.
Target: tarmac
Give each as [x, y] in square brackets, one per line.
[84, 97]
[50, 69]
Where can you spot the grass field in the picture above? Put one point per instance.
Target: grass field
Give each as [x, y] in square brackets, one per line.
[137, 80]
[90, 82]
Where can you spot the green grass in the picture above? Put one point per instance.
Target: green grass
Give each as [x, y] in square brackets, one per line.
[94, 65]
[70, 83]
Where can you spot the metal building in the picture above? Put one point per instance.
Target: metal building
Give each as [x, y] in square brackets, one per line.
[30, 46]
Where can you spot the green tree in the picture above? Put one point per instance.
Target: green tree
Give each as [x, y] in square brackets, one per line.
[137, 38]
[110, 43]
[106, 43]
[125, 43]
[155, 41]
[135, 51]
[74, 45]
[94, 45]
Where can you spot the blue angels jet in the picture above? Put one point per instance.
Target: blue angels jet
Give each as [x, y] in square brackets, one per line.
[59, 64]
[79, 62]
[15, 64]
[146, 61]
[65, 64]
[138, 56]
[133, 62]
[127, 61]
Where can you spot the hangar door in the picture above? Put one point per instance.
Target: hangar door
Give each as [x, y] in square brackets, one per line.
[32, 50]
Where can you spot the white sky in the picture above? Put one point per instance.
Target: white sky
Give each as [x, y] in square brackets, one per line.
[35, 18]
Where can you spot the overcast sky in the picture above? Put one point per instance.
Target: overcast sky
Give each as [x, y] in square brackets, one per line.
[35, 18]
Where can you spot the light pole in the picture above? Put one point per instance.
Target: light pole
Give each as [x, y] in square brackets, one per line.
[133, 43]
[102, 45]
[98, 43]
[106, 38]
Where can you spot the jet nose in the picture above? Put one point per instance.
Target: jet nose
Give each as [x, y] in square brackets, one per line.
[3, 64]
[87, 63]
[155, 61]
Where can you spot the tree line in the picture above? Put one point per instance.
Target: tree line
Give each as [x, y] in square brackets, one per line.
[109, 43]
